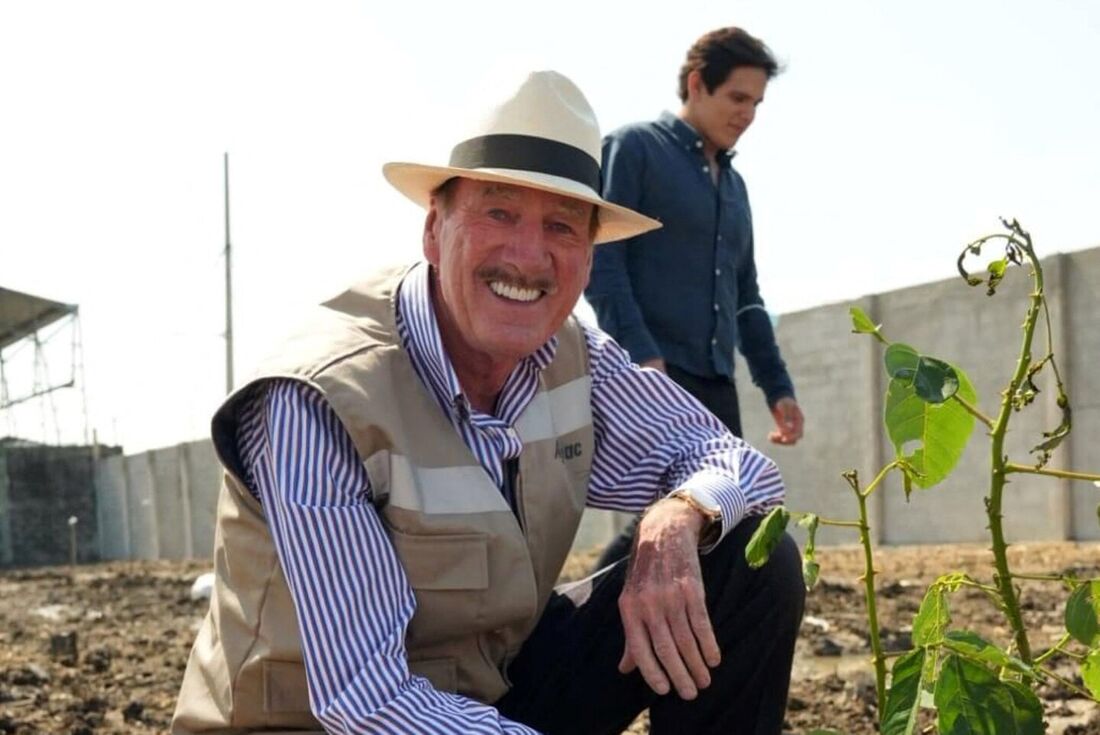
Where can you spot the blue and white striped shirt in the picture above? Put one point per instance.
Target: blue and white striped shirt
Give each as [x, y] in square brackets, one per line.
[351, 595]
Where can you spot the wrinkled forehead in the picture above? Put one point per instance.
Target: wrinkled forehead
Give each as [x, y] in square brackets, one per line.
[493, 190]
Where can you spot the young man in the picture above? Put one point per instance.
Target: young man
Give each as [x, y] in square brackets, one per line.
[681, 298]
[404, 480]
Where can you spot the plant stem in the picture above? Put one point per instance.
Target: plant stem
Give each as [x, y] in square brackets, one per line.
[1067, 683]
[973, 411]
[999, 462]
[843, 524]
[979, 585]
[869, 595]
[874, 483]
[1053, 650]
[1039, 577]
[1067, 474]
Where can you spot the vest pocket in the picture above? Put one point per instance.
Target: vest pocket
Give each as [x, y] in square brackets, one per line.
[443, 562]
[285, 688]
[441, 672]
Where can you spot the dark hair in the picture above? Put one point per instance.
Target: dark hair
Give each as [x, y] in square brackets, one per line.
[719, 52]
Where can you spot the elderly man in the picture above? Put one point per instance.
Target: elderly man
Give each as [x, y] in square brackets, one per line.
[405, 478]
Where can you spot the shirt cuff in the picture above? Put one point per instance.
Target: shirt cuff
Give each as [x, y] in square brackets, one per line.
[717, 491]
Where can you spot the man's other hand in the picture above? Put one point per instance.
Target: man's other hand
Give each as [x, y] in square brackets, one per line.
[656, 363]
[669, 637]
[788, 422]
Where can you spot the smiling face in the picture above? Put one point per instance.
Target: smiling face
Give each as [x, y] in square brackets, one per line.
[722, 116]
[509, 264]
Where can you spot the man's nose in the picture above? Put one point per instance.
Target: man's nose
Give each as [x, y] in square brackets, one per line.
[526, 246]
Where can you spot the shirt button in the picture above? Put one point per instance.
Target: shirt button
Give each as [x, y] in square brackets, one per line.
[706, 169]
[714, 340]
[717, 271]
[698, 144]
[716, 307]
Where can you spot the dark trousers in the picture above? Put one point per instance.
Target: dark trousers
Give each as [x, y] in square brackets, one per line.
[566, 678]
[719, 395]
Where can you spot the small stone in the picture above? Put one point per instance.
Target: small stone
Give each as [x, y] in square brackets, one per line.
[30, 675]
[98, 659]
[63, 648]
[827, 647]
[134, 711]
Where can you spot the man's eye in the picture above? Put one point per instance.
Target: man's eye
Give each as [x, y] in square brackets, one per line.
[561, 228]
[500, 215]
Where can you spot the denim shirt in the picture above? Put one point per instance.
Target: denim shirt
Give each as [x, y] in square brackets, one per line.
[687, 292]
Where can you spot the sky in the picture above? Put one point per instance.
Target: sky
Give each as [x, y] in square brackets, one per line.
[896, 133]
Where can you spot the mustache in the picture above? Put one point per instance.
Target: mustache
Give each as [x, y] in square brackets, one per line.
[512, 277]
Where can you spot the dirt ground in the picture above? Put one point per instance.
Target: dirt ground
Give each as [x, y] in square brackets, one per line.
[134, 623]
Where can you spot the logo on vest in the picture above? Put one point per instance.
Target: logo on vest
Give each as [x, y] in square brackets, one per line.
[564, 450]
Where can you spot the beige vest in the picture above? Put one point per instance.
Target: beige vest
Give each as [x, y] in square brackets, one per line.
[480, 576]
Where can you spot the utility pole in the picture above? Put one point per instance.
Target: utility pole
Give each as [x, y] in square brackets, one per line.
[228, 290]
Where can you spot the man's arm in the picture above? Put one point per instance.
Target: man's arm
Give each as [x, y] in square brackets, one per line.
[609, 290]
[349, 589]
[651, 437]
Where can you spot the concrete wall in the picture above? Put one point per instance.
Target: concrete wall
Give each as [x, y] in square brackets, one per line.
[843, 402]
[161, 504]
[158, 504]
[112, 508]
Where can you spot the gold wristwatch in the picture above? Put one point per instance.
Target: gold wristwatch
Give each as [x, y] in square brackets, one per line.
[712, 524]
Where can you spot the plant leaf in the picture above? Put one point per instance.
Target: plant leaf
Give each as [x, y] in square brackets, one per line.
[971, 700]
[935, 380]
[899, 714]
[1082, 621]
[901, 360]
[941, 429]
[1090, 672]
[933, 617]
[766, 537]
[810, 572]
[810, 568]
[862, 324]
[996, 273]
[973, 646]
[1052, 439]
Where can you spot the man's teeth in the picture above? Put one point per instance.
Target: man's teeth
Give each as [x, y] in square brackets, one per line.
[515, 293]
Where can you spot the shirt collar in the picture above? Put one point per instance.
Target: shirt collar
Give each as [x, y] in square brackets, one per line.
[424, 344]
[689, 137]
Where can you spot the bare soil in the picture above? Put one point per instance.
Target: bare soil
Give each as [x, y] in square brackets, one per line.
[134, 623]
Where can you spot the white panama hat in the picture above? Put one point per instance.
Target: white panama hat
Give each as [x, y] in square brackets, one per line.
[544, 136]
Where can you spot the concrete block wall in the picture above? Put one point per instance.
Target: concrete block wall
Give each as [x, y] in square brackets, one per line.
[112, 507]
[843, 404]
[161, 504]
[1079, 293]
[158, 504]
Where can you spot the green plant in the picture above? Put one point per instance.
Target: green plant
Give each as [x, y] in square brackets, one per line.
[975, 686]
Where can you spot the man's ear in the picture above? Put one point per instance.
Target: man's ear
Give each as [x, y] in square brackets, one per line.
[695, 84]
[431, 233]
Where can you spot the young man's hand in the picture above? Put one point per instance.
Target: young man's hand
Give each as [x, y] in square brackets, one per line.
[788, 422]
[669, 637]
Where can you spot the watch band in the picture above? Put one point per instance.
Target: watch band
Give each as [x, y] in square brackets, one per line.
[712, 526]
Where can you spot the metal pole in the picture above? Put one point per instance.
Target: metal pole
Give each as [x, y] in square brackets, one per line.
[228, 290]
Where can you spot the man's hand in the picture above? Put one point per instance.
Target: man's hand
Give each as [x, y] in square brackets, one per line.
[656, 363]
[788, 422]
[663, 607]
